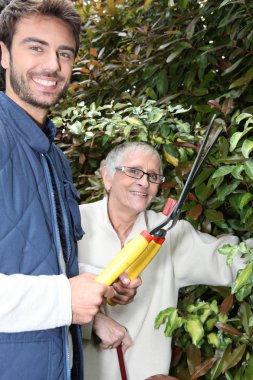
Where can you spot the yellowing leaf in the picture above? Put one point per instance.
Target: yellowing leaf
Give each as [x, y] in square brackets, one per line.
[194, 327]
[134, 121]
[171, 159]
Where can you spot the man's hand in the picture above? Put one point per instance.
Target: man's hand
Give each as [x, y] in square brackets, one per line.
[86, 296]
[125, 289]
[111, 333]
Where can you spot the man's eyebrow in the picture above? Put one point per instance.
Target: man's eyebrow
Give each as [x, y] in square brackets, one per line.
[42, 42]
[34, 39]
[67, 47]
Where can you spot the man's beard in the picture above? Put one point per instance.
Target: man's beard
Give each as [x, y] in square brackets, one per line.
[21, 88]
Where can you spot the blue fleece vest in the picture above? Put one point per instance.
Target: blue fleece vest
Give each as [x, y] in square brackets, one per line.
[36, 190]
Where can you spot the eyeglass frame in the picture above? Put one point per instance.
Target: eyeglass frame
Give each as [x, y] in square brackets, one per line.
[122, 169]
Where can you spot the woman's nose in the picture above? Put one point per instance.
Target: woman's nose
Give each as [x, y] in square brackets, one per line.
[143, 180]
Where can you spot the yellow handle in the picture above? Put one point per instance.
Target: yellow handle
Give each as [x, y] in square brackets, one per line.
[138, 266]
[125, 258]
[142, 261]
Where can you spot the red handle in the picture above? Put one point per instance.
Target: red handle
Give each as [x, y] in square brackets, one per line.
[169, 206]
[121, 363]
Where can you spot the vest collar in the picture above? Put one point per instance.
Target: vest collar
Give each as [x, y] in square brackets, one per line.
[17, 119]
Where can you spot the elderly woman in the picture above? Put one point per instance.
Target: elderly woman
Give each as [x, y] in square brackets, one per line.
[132, 174]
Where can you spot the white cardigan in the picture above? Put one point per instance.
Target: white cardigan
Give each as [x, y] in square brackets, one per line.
[187, 257]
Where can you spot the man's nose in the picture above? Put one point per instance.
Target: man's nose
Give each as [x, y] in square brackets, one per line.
[52, 62]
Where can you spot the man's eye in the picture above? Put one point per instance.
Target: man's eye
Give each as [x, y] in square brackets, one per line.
[36, 48]
[66, 55]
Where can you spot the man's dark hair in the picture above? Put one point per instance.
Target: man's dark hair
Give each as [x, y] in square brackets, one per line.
[18, 9]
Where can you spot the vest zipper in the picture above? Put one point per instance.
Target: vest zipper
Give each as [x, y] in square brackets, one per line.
[63, 211]
[57, 240]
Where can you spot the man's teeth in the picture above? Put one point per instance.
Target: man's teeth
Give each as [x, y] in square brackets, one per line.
[138, 193]
[48, 83]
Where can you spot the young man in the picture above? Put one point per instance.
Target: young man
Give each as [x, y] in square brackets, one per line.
[40, 222]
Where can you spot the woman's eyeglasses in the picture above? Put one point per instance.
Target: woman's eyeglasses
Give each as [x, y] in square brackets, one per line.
[138, 174]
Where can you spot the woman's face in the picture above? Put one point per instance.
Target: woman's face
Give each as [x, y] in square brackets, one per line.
[131, 195]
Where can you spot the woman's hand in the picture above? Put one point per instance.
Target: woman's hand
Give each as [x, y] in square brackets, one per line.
[125, 289]
[111, 333]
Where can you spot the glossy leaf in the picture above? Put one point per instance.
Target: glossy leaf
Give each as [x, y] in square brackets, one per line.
[194, 327]
[203, 368]
[232, 358]
[248, 166]
[244, 79]
[247, 147]
[237, 137]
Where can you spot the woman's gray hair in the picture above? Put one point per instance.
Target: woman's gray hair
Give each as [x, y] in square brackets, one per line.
[115, 155]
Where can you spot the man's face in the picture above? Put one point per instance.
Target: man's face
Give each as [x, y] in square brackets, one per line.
[39, 64]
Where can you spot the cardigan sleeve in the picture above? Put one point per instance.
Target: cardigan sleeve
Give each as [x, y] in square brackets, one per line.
[196, 259]
[34, 302]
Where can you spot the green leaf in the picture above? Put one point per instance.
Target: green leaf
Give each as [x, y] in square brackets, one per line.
[244, 79]
[171, 154]
[222, 171]
[237, 137]
[133, 121]
[203, 176]
[127, 130]
[247, 147]
[232, 358]
[155, 115]
[203, 192]
[195, 328]
[177, 52]
[245, 314]
[236, 172]
[233, 67]
[213, 215]
[243, 116]
[246, 214]
[224, 191]
[213, 339]
[163, 316]
[200, 91]
[248, 167]
[171, 318]
[244, 277]
[230, 251]
[249, 369]
[161, 82]
[245, 199]
[191, 27]
[225, 2]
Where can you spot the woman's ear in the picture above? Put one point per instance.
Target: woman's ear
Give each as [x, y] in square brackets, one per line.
[5, 56]
[107, 179]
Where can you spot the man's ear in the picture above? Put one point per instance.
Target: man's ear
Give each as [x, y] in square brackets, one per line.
[107, 179]
[5, 56]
